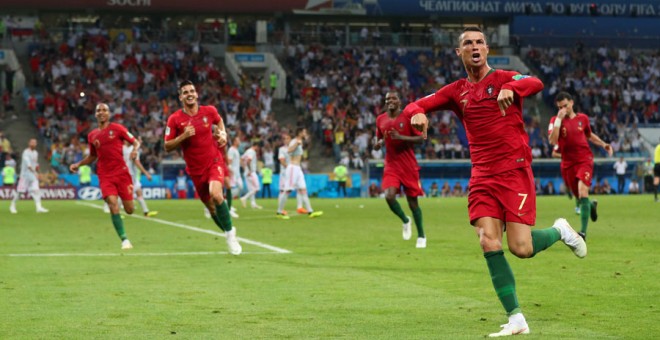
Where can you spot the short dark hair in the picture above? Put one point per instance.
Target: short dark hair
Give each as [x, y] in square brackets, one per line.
[563, 95]
[185, 83]
[299, 130]
[469, 29]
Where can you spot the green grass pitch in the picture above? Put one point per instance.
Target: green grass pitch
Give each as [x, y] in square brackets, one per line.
[348, 274]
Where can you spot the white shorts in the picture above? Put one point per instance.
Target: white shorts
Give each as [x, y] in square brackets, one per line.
[252, 182]
[295, 179]
[27, 184]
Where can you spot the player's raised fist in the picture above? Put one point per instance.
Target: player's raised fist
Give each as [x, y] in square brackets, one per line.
[420, 123]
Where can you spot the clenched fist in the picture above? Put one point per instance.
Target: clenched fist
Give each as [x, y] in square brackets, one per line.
[420, 123]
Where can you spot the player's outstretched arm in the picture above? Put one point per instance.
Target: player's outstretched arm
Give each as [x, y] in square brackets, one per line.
[520, 85]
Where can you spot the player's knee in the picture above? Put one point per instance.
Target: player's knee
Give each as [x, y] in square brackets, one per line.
[129, 210]
[489, 243]
[522, 251]
[218, 198]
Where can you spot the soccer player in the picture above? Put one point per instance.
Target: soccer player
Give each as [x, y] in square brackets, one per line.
[249, 160]
[135, 167]
[190, 128]
[571, 132]
[285, 159]
[28, 182]
[295, 179]
[234, 161]
[656, 171]
[105, 145]
[401, 169]
[489, 103]
[557, 154]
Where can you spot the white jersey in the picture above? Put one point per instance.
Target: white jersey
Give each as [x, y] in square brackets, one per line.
[29, 160]
[250, 157]
[235, 157]
[298, 151]
[130, 164]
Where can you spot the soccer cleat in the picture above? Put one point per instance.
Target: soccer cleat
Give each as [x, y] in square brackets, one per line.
[233, 214]
[571, 238]
[407, 229]
[232, 209]
[302, 211]
[243, 201]
[232, 242]
[284, 212]
[314, 214]
[421, 242]
[577, 211]
[12, 209]
[42, 210]
[150, 213]
[256, 206]
[207, 213]
[511, 329]
[594, 210]
[106, 209]
[282, 216]
[126, 244]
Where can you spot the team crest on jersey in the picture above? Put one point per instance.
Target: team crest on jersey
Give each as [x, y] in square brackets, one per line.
[206, 122]
[579, 126]
[563, 132]
[401, 125]
[111, 134]
[490, 89]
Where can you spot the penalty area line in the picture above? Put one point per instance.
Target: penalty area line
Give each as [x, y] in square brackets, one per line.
[199, 230]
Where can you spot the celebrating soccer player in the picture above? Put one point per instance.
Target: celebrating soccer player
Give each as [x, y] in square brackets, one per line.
[105, 145]
[571, 132]
[191, 129]
[401, 169]
[502, 197]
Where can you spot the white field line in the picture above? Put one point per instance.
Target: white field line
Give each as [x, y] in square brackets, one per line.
[197, 253]
[200, 230]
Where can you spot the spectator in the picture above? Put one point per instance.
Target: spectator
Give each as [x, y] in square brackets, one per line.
[434, 191]
[341, 177]
[458, 190]
[181, 185]
[446, 190]
[633, 187]
[375, 190]
[620, 168]
[549, 189]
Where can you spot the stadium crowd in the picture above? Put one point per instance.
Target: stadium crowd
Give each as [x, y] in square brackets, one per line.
[140, 86]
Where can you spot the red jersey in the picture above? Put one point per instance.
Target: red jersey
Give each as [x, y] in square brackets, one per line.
[106, 144]
[399, 155]
[497, 143]
[573, 139]
[199, 151]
